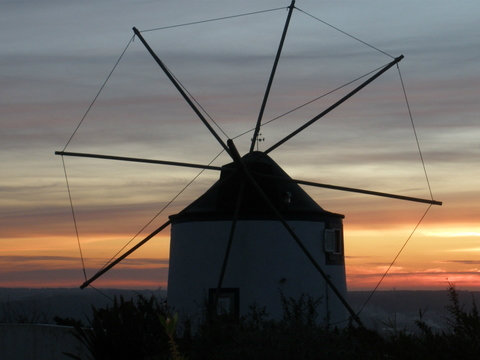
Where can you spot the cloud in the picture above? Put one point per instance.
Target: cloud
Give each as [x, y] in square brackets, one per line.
[25, 258]
[454, 234]
[351, 257]
[48, 258]
[54, 271]
[465, 262]
[70, 277]
[52, 73]
[419, 274]
[422, 280]
[475, 249]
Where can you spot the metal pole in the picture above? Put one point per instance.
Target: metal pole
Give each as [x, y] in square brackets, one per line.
[120, 258]
[343, 99]
[179, 88]
[140, 160]
[232, 233]
[272, 75]
[236, 157]
[369, 192]
[229, 244]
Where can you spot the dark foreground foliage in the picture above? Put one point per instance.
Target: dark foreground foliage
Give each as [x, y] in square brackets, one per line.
[129, 329]
[144, 329]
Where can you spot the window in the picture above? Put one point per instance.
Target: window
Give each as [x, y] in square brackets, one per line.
[333, 241]
[333, 246]
[227, 303]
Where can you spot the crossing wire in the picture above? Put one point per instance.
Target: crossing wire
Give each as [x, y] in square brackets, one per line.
[159, 213]
[99, 92]
[95, 99]
[428, 184]
[74, 218]
[345, 33]
[276, 118]
[414, 130]
[311, 101]
[214, 19]
[394, 260]
[196, 102]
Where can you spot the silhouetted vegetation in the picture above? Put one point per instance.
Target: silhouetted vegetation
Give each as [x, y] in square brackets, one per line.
[21, 314]
[145, 329]
[126, 330]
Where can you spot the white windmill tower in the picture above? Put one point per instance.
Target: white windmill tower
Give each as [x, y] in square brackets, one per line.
[229, 246]
[255, 232]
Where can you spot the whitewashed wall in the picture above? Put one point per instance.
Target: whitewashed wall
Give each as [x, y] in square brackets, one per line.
[264, 259]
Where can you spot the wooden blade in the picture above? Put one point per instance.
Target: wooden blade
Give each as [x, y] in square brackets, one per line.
[230, 238]
[180, 89]
[229, 245]
[343, 99]
[272, 75]
[140, 160]
[248, 176]
[368, 192]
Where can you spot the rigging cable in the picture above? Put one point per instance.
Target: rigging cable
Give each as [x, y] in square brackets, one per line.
[101, 293]
[196, 102]
[98, 93]
[159, 212]
[214, 19]
[345, 33]
[230, 17]
[311, 101]
[74, 219]
[393, 261]
[429, 189]
[414, 131]
[202, 22]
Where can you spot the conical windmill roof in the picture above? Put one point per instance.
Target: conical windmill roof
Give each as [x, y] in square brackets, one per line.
[219, 202]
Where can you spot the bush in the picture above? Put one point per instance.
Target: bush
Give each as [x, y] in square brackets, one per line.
[126, 330]
[145, 329]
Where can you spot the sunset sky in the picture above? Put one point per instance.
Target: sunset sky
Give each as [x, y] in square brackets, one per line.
[56, 54]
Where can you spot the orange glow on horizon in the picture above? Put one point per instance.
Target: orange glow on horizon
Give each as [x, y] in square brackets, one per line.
[368, 254]
[414, 281]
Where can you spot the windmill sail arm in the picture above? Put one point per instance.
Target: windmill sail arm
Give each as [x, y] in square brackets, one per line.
[230, 241]
[180, 89]
[336, 104]
[368, 192]
[272, 75]
[249, 178]
[121, 257]
[140, 160]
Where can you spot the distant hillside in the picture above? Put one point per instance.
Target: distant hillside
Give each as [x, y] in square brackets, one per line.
[386, 310]
[401, 308]
[42, 305]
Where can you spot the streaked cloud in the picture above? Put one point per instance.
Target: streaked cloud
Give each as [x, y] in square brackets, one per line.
[465, 262]
[449, 234]
[475, 249]
[57, 54]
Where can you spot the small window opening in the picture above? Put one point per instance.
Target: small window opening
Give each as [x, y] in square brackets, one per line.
[224, 303]
[333, 241]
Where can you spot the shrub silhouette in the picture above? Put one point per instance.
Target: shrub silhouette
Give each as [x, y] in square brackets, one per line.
[145, 329]
[126, 330]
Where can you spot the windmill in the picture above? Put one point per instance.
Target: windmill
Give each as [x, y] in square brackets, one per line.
[255, 231]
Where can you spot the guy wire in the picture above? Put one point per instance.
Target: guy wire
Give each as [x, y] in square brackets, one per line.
[211, 20]
[74, 219]
[393, 261]
[98, 93]
[159, 212]
[414, 131]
